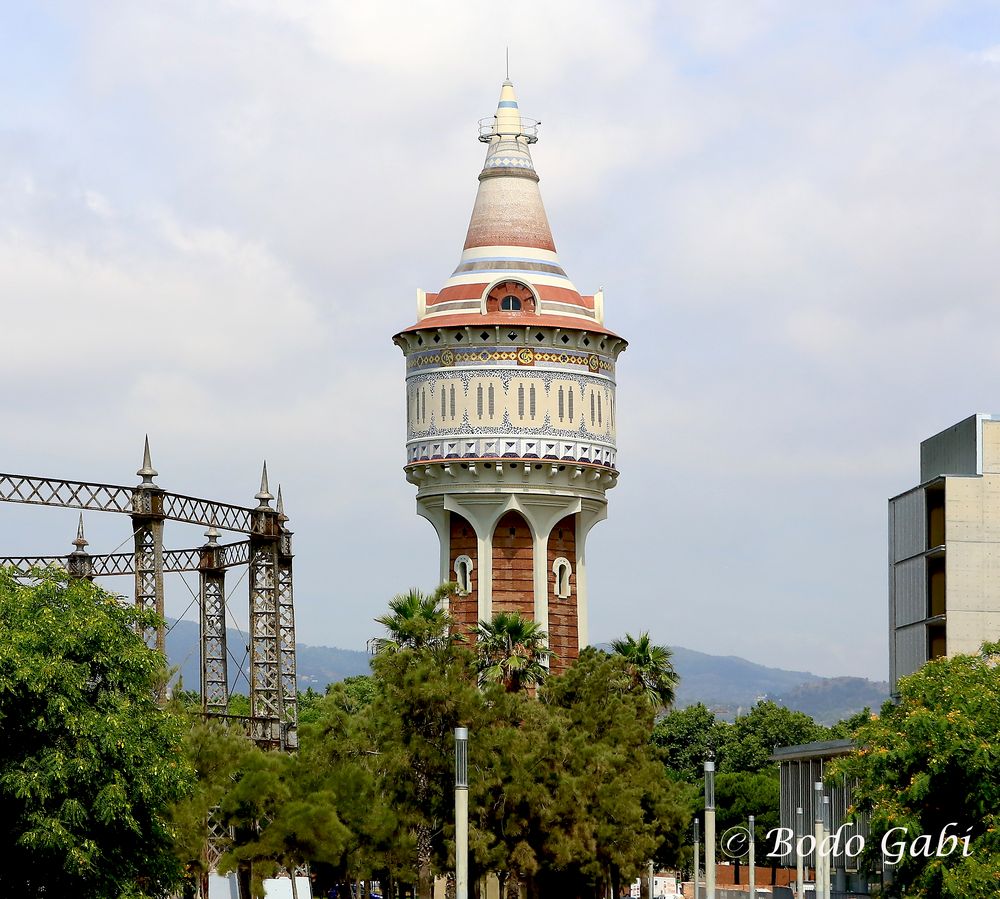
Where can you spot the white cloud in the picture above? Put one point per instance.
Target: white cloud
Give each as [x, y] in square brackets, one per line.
[218, 215]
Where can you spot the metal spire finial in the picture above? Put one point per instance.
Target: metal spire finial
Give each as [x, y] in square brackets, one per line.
[281, 505]
[264, 496]
[80, 541]
[147, 472]
[213, 535]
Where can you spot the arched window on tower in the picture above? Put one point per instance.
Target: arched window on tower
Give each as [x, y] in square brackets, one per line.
[510, 296]
[463, 575]
[562, 569]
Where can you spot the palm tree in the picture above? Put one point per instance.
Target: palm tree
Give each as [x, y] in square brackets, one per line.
[511, 651]
[650, 668]
[416, 620]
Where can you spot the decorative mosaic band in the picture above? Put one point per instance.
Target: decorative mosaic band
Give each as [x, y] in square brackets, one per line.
[447, 358]
[510, 448]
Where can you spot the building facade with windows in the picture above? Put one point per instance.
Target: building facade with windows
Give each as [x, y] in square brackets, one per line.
[944, 549]
[510, 406]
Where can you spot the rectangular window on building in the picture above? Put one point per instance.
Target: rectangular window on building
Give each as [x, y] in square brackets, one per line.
[935, 516]
[936, 601]
[936, 641]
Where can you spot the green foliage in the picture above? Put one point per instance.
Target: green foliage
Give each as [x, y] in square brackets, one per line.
[415, 620]
[279, 818]
[650, 668]
[750, 741]
[932, 760]
[424, 693]
[741, 794]
[88, 763]
[685, 738]
[510, 650]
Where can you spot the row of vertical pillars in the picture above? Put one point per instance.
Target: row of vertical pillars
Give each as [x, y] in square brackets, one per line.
[273, 697]
[513, 586]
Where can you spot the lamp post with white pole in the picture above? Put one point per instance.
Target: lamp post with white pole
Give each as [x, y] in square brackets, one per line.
[697, 857]
[710, 828]
[800, 891]
[819, 877]
[461, 813]
[753, 862]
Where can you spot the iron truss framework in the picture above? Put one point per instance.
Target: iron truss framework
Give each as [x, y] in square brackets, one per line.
[267, 552]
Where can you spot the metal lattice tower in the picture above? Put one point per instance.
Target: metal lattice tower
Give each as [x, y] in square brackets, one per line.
[266, 550]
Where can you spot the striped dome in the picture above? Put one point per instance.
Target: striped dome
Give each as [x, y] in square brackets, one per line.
[509, 244]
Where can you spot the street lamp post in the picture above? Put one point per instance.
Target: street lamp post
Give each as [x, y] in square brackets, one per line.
[461, 813]
[799, 864]
[753, 863]
[710, 828]
[697, 857]
[819, 877]
[828, 862]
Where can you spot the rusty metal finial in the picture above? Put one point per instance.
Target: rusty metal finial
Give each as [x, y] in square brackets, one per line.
[281, 506]
[213, 536]
[147, 472]
[264, 496]
[80, 541]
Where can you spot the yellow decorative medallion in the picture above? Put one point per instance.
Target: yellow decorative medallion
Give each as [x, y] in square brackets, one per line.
[526, 356]
[593, 362]
[447, 358]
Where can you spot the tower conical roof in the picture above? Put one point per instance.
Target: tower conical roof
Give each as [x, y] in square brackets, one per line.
[509, 240]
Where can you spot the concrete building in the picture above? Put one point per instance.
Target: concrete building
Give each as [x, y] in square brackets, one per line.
[944, 549]
[510, 399]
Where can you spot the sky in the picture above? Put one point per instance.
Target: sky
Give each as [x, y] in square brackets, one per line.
[214, 215]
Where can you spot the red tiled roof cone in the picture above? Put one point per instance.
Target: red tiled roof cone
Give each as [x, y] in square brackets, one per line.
[510, 407]
[509, 238]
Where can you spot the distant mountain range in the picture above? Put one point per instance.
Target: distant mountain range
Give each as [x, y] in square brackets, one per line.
[726, 684]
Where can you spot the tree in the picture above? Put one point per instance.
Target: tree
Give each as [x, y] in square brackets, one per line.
[650, 668]
[415, 620]
[280, 820]
[511, 651]
[614, 807]
[217, 755]
[685, 738]
[750, 741]
[930, 761]
[89, 765]
[423, 694]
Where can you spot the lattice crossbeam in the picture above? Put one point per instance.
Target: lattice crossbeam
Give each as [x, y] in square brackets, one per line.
[112, 564]
[19, 488]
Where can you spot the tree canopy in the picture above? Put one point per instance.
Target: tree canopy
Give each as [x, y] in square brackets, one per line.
[930, 760]
[89, 765]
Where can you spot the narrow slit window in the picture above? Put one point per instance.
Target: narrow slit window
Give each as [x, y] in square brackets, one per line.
[571, 404]
[562, 401]
[492, 405]
[520, 401]
[451, 399]
[479, 400]
[531, 402]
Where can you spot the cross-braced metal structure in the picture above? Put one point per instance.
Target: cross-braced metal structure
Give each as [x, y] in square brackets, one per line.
[267, 551]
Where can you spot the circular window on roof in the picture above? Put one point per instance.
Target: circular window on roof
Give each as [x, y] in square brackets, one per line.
[510, 296]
